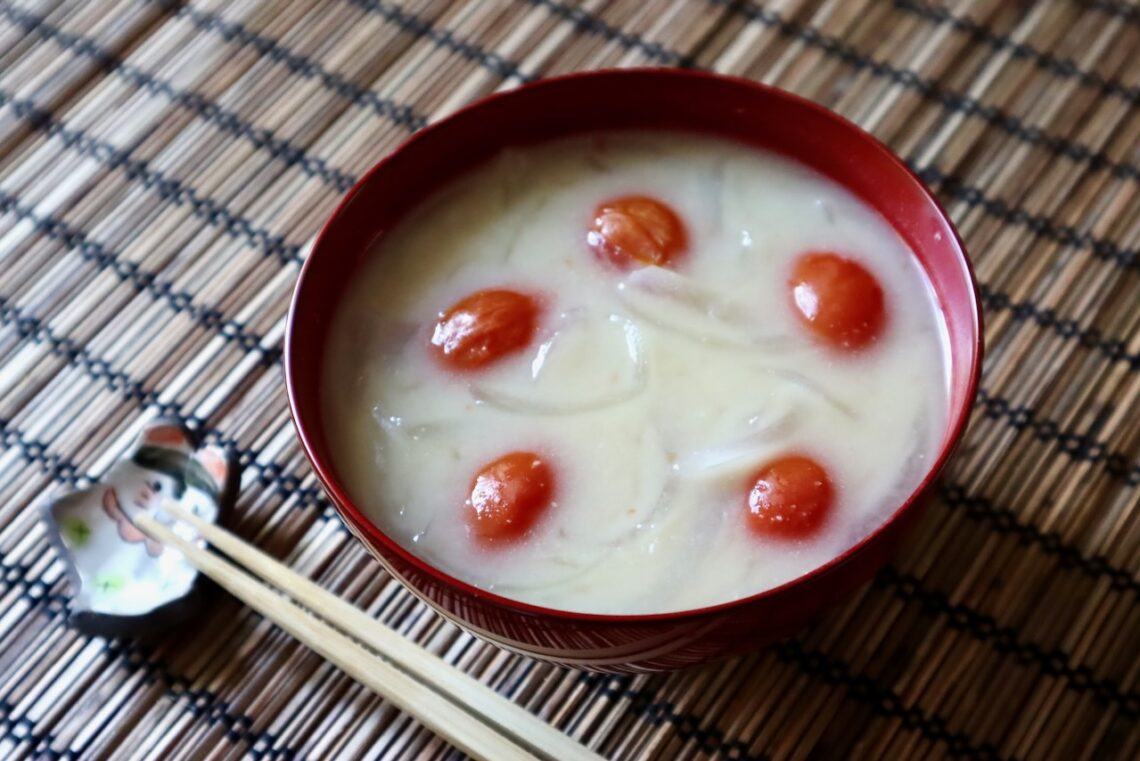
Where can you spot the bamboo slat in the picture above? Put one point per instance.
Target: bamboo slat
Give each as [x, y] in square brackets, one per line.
[164, 165]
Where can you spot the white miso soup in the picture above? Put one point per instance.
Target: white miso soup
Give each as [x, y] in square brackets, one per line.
[636, 373]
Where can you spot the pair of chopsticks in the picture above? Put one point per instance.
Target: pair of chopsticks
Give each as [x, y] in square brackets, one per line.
[471, 716]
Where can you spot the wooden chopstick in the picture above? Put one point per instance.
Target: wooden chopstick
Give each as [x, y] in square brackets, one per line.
[471, 716]
[425, 666]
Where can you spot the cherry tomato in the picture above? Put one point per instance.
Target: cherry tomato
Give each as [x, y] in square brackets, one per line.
[484, 327]
[634, 230]
[790, 498]
[509, 495]
[838, 300]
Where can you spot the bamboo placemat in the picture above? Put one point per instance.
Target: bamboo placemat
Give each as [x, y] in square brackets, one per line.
[163, 165]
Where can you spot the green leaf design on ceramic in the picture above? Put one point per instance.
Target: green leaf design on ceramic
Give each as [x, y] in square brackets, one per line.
[110, 583]
[76, 532]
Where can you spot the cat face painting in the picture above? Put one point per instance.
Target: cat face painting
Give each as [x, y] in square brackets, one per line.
[121, 579]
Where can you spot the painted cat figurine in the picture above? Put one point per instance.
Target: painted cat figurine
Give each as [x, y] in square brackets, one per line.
[123, 582]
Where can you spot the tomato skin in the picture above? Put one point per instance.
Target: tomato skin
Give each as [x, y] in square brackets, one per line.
[790, 498]
[838, 300]
[637, 230]
[484, 327]
[508, 496]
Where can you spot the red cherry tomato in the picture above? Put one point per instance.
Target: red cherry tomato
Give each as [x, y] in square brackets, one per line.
[484, 327]
[790, 498]
[508, 496]
[838, 300]
[634, 230]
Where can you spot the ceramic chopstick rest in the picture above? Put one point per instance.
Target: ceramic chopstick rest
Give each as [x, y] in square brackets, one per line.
[124, 583]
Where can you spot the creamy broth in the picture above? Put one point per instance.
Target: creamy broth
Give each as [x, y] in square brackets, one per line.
[654, 393]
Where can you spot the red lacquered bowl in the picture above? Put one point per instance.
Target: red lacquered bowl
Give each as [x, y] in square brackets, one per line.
[610, 100]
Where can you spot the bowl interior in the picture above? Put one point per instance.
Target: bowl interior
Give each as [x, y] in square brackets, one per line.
[630, 99]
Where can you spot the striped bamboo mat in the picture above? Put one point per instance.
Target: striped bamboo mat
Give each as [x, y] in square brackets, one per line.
[163, 166]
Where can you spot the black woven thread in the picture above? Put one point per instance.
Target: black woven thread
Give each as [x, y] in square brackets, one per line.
[292, 155]
[1006, 521]
[1080, 447]
[167, 188]
[887, 703]
[687, 726]
[201, 702]
[269, 475]
[181, 302]
[266, 47]
[1077, 446]
[423, 29]
[1126, 11]
[273, 475]
[1062, 68]
[588, 24]
[22, 730]
[662, 712]
[1114, 350]
[400, 114]
[134, 391]
[37, 594]
[207, 110]
[36, 452]
[98, 369]
[1007, 641]
[833, 46]
[1038, 224]
[33, 452]
[978, 624]
[972, 196]
[836, 48]
[952, 101]
[1001, 520]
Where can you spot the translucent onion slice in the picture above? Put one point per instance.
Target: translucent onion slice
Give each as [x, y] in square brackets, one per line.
[625, 490]
[549, 572]
[766, 433]
[587, 364]
[813, 388]
[678, 304]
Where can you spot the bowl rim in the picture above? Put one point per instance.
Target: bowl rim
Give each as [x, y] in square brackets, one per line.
[359, 523]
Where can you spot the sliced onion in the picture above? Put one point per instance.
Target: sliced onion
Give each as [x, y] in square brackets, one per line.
[549, 572]
[816, 389]
[678, 304]
[768, 433]
[553, 389]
